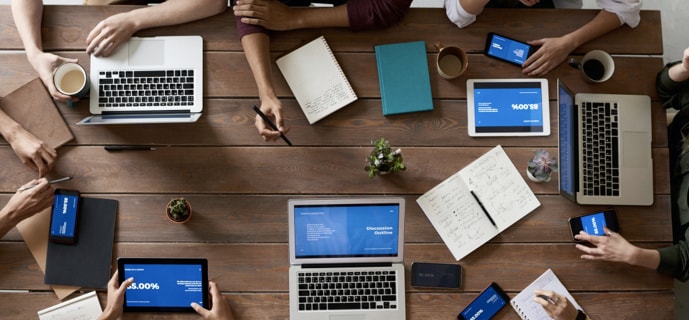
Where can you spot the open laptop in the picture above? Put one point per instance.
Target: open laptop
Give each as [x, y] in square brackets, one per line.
[148, 80]
[346, 259]
[621, 173]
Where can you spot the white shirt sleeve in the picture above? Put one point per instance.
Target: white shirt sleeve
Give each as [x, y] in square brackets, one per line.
[626, 10]
[457, 14]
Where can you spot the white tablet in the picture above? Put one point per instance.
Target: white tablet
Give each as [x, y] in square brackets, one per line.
[508, 107]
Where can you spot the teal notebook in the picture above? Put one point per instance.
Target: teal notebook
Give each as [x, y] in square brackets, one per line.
[405, 85]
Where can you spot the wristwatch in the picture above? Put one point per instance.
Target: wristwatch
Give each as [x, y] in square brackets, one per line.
[581, 315]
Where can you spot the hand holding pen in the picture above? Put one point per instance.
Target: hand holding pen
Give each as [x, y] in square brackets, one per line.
[34, 183]
[37, 195]
[270, 124]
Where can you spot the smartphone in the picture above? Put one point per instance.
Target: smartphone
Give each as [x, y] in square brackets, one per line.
[486, 305]
[507, 49]
[593, 223]
[436, 275]
[64, 217]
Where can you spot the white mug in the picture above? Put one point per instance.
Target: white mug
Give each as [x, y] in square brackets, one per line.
[596, 65]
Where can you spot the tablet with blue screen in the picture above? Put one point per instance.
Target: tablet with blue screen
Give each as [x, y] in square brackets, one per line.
[508, 107]
[164, 284]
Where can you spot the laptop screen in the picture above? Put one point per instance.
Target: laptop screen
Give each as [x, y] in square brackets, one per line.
[567, 141]
[346, 230]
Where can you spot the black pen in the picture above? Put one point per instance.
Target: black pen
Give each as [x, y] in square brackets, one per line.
[483, 208]
[547, 298]
[50, 182]
[271, 124]
[122, 148]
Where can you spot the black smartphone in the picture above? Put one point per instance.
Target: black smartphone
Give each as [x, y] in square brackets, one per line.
[593, 223]
[486, 305]
[507, 49]
[64, 217]
[436, 275]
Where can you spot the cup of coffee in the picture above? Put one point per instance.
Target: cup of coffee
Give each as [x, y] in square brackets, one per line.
[451, 61]
[596, 65]
[71, 79]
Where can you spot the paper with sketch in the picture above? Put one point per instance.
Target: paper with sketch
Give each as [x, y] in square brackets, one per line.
[316, 79]
[457, 216]
[530, 310]
[83, 307]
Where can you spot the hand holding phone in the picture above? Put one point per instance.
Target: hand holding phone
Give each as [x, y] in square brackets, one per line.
[64, 217]
[436, 275]
[507, 49]
[593, 223]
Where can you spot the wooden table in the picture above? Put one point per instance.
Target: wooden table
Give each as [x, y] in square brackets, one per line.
[239, 185]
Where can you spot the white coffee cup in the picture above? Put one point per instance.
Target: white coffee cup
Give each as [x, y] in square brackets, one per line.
[596, 65]
[71, 79]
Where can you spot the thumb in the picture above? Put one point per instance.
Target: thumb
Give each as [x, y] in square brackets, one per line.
[200, 310]
[72, 60]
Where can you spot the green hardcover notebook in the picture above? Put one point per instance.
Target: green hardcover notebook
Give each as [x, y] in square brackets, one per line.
[405, 85]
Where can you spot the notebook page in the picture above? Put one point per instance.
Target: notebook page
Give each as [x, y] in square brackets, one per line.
[530, 310]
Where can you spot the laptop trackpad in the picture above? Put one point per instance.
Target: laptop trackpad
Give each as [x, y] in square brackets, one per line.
[348, 317]
[146, 53]
[635, 150]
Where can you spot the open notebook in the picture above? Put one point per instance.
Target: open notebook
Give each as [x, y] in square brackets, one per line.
[524, 303]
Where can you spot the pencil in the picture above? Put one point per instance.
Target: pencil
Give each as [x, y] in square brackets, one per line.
[271, 124]
[51, 182]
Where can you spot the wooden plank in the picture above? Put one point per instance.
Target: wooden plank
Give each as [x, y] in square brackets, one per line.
[66, 29]
[249, 170]
[269, 306]
[263, 267]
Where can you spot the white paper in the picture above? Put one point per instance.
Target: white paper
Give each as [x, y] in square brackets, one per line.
[83, 307]
[524, 303]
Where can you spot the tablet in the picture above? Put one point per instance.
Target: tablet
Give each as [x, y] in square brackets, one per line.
[164, 284]
[508, 107]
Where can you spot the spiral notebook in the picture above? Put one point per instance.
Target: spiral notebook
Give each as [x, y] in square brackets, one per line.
[524, 303]
[316, 79]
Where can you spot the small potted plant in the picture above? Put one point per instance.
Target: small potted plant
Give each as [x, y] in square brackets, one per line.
[178, 210]
[383, 160]
[541, 166]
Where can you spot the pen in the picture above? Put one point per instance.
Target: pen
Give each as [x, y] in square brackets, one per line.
[51, 182]
[122, 148]
[546, 298]
[271, 125]
[483, 208]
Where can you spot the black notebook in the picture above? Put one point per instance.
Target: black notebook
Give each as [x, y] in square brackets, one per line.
[87, 262]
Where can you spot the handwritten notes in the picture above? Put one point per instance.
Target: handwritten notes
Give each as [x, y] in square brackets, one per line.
[316, 79]
[84, 307]
[458, 218]
[530, 310]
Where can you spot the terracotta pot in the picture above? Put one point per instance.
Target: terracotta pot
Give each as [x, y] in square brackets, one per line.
[169, 217]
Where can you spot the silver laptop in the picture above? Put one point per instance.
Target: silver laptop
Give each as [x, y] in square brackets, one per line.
[605, 148]
[148, 80]
[346, 259]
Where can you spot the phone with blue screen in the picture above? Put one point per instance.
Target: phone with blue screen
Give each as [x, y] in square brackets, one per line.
[486, 305]
[64, 217]
[507, 49]
[593, 223]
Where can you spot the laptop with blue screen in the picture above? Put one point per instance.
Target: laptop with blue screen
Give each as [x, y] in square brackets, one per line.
[346, 258]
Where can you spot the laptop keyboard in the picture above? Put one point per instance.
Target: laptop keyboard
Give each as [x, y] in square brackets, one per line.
[600, 149]
[145, 88]
[347, 290]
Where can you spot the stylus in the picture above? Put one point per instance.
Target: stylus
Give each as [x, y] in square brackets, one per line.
[271, 124]
[483, 208]
[51, 182]
[122, 148]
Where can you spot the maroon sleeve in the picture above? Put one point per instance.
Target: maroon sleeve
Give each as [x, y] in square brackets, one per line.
[375, 14]
[244, 29]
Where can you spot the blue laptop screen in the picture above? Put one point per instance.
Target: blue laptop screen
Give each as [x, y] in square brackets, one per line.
[164, 285]
[332, 231]
[567, 141]
[508, 107]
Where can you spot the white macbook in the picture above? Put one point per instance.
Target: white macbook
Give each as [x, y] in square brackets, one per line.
[346, 259]
[148, 80]
[605, 148]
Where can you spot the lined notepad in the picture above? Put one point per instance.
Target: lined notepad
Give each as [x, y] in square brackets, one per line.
[524, 303]
[316, 79]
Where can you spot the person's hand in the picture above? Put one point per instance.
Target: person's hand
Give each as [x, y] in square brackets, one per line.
[529, 3]
[33, 152]
[551, 53]
[270, 14]
[612, 247]
[114, 305]
[45, 63]
[558, 307]
[24, 204]
[109, 34]
[221, 309]
[272, 109]
[685, 60]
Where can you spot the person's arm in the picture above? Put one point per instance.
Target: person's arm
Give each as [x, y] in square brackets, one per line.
[672, 83]
[24, 204]
[114, 305]
[680, 71]
[463, 12]
[110, 33]
[33, 152]
[27, 16]
[614, 247]
[221, 309]
[554, 51]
